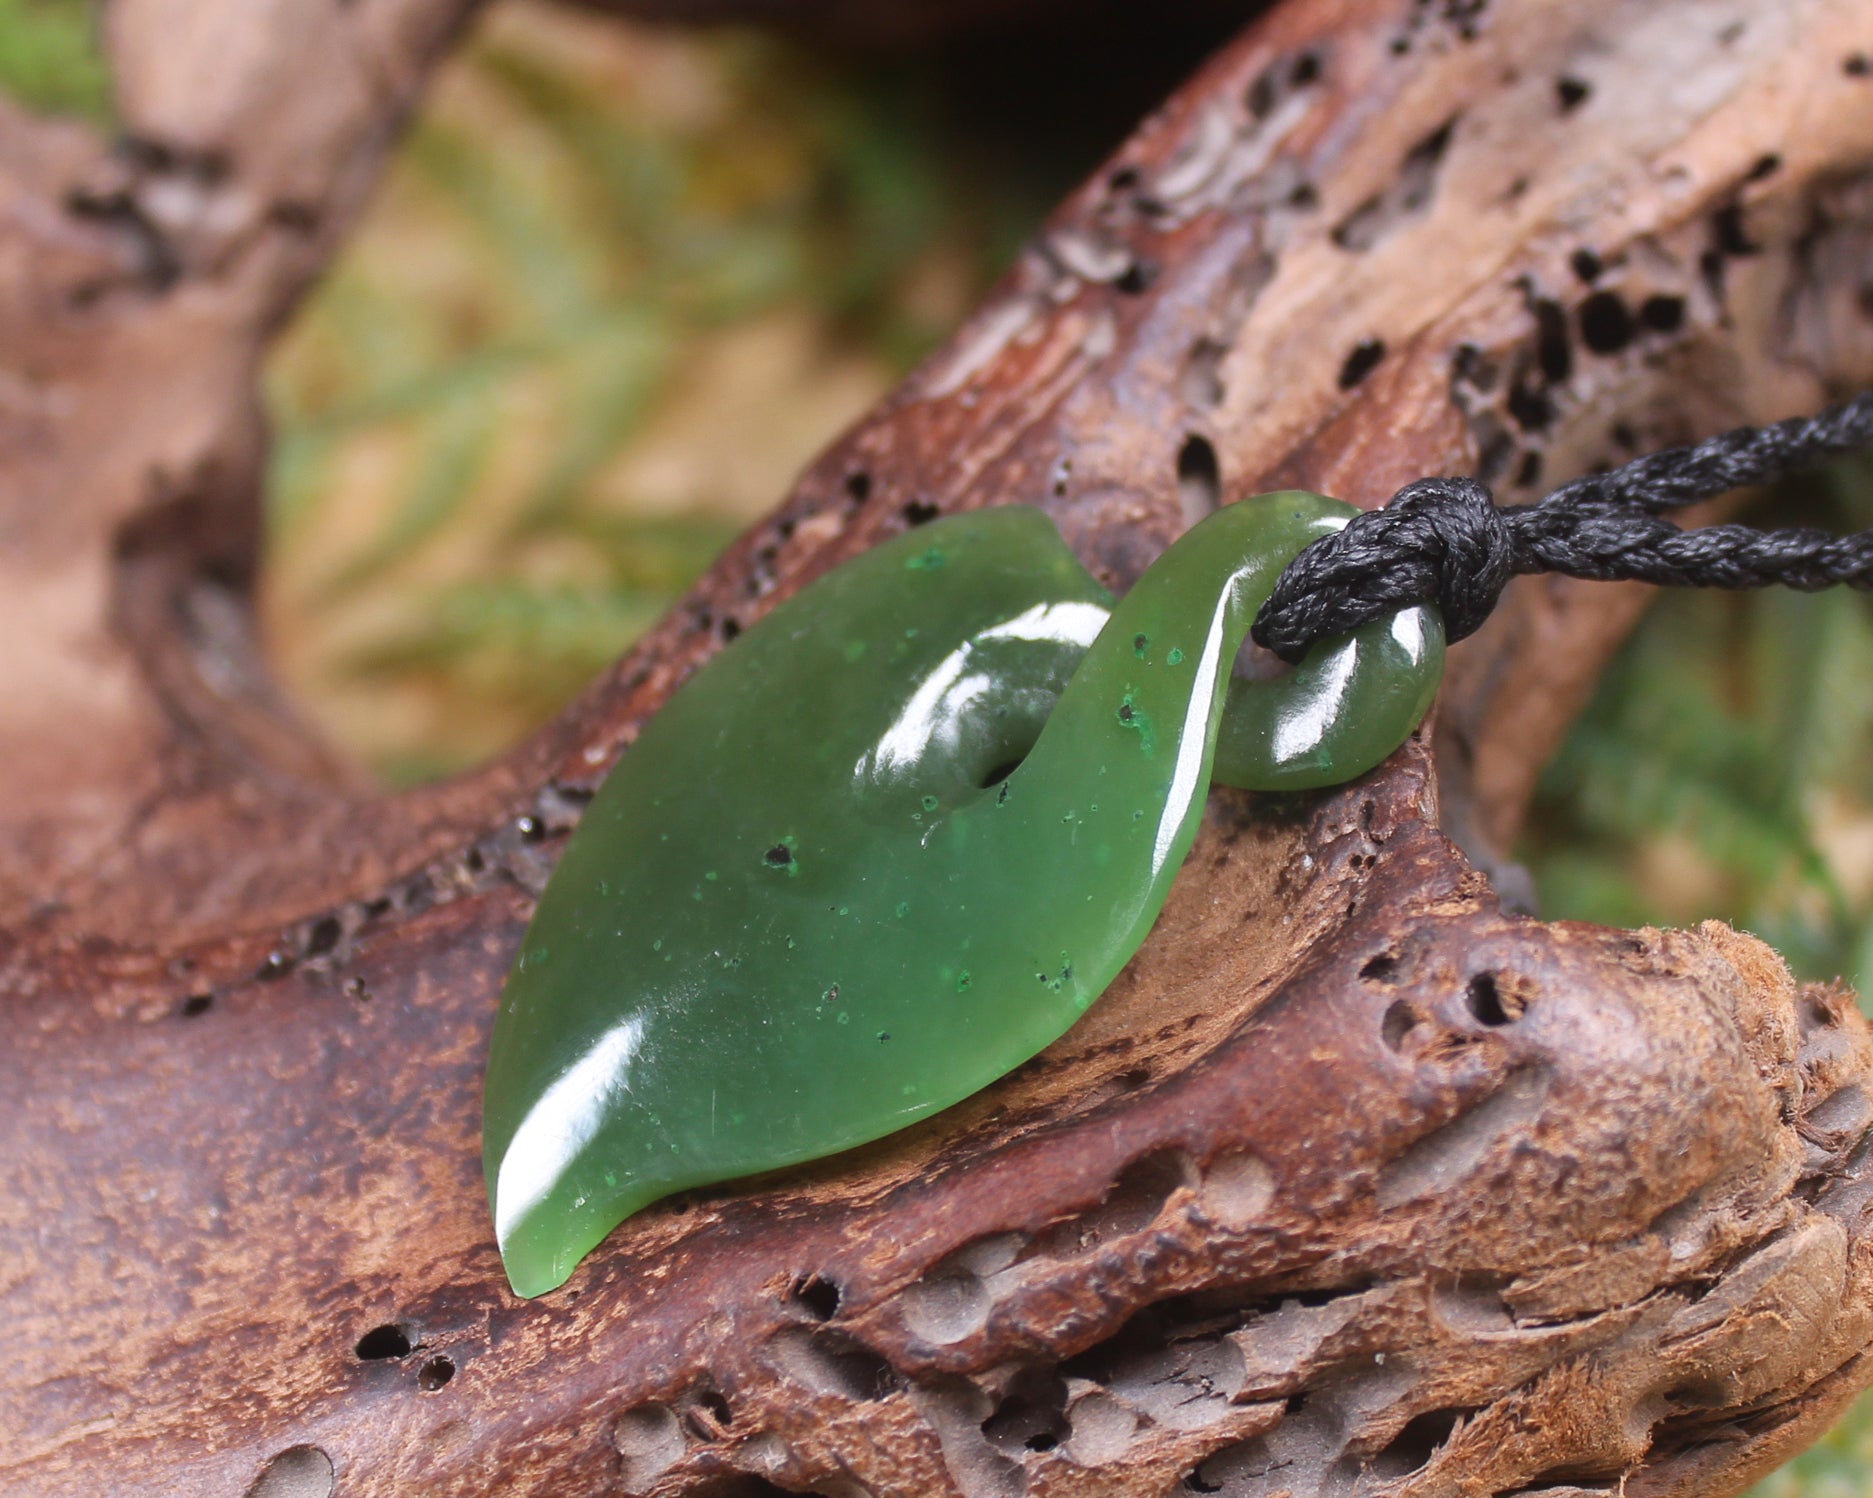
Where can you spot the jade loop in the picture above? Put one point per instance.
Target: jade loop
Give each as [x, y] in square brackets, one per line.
[890, 843]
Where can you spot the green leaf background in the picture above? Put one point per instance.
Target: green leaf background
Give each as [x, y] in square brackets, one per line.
[621, 284]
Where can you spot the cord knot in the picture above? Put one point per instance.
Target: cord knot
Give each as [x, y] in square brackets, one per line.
[1443, 541]
[1439, 540]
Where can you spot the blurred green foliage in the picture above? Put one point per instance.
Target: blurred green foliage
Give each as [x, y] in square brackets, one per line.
[564, 233]
[1723, 767]
[49, 58]
[457, 516]
[1840, 1465]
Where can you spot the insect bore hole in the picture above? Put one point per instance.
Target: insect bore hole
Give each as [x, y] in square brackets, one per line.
[387, 1341]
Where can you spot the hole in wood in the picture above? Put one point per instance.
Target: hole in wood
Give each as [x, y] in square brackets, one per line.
[817, 1296]
[1415, 1445]
[1237, 1188]
[709, 1415]
[1400, 1020]
[1135, 1201]
[650, 1440]
[947, 1306]
[1496, 998]
[1554, 353]
[1137, 277]
[1030, 1417]
[1605, 324]
[829, 1363]
[1662, 314]
[387, 1341]
[1409, 197]
[1443, 1157]
[323, 936]
[1361, 360]
[1199, 478]
[297, 1472]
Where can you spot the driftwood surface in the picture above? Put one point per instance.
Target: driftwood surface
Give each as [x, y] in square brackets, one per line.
[1354, 1184]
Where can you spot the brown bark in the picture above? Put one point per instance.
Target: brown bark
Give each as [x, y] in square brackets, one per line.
[1353, 1184]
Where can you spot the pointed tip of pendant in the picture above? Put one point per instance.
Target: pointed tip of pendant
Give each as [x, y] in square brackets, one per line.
[540, 1256]
[537, 1249]
[529, 1281]
[543, 1243]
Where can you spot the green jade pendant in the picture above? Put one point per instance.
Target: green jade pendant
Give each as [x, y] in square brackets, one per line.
[890, 843]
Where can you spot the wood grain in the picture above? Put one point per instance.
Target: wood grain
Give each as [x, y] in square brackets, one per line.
[1354, 1184]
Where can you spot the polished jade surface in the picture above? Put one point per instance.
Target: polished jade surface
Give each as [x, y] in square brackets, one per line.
[890, 843]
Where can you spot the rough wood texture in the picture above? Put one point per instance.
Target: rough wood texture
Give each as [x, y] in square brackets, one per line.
[1353, 1185]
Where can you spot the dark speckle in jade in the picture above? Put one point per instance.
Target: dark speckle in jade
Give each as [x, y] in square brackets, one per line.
[780, 857]
[1134, 717]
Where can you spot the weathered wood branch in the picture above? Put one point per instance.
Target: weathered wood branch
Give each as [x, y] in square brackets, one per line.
[1353, 1184]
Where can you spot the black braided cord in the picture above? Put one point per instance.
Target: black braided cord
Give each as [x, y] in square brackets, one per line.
[1445, 541]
